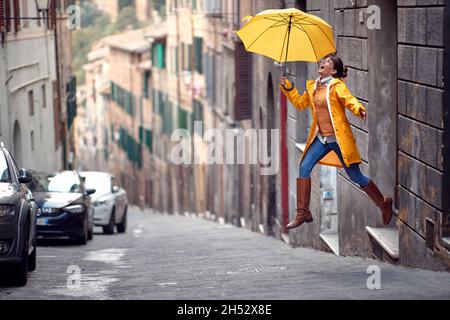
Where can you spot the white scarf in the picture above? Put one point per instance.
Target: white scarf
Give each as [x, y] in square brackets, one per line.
[325, 81]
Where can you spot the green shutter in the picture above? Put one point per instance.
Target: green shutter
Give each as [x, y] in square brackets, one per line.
[155, 55]
[141, 134]
[146, 84]
[198, 43]
[189, 56]
[167, 118]
[183, 57]
[132, 104]
[159, 55]
[149, 140]
[182, 118]
[177, 60]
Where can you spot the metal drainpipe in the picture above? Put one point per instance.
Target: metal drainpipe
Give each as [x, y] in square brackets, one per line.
[238, 15]
[58, 81]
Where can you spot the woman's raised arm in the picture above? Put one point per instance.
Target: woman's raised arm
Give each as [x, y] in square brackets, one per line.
[300, 102]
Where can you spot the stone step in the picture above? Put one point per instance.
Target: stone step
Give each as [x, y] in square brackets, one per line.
[446, 242]
[331, 239]
[387, 238]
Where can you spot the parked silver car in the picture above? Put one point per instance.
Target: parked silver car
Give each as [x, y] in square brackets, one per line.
[110, 201]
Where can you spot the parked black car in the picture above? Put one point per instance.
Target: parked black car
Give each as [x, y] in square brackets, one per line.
[65, 206]
[17, 219]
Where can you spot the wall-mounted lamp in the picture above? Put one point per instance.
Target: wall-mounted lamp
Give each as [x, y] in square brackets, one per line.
[42, 5]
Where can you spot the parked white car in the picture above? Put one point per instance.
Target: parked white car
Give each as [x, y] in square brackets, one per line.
[110, 201]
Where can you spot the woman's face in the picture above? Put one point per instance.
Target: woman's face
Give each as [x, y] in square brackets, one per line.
[326, 68]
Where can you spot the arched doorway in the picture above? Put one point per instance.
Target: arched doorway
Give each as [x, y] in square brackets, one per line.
[17, 144]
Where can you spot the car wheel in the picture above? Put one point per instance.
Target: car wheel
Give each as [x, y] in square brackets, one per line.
[21, 276]
[32, 260]
[83, 239]
[122, 227]
[109, 229]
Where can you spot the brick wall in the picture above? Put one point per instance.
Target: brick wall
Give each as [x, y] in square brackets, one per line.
[420, 128]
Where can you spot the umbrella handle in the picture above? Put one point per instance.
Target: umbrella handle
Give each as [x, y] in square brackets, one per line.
[289, 89]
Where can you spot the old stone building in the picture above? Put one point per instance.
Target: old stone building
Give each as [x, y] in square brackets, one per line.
[37, 96]
[397, 72]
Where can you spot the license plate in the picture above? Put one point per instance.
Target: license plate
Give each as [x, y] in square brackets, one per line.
[42, 222]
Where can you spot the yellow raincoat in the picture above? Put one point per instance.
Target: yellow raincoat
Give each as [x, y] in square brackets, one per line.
[338, 99]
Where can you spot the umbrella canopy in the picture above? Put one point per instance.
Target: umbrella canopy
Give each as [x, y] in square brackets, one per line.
[288, 35]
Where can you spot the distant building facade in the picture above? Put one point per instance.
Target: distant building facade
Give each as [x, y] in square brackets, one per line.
[34, 102]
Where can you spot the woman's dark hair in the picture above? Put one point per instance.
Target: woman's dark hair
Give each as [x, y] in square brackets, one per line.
[339, 66]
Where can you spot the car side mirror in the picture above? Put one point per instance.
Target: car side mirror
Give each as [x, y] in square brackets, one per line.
[115, 189]
[25, 176]
[90, 191]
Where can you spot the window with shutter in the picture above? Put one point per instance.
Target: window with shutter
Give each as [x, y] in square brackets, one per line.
[177, 64]
[243, 99]
[168, 118]
[198, 47]
[52, 15]
[198, 114]
[146, 83]
[190, 49]
[8, 15]
[183, 57]
[149, 140]
[16, 8]
[182, 119]
[2, 15]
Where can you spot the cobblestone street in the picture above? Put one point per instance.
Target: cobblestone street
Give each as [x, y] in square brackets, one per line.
[166, 257]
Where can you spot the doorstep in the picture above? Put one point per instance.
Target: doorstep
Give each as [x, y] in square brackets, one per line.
[301, 146]
[387, 238]
[446, 242]
[331, 239]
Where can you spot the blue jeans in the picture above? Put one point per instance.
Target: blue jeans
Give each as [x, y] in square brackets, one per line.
[318, 151]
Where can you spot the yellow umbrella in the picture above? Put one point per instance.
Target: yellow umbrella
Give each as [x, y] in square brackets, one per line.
[288, 35]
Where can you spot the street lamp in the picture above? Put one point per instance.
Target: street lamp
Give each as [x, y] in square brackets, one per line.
[43, 6]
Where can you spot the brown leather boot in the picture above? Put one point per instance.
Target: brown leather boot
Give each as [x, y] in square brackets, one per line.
[385, 204]
[303, 197]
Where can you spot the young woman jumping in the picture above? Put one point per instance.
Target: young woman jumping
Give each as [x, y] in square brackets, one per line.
[331, 141]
